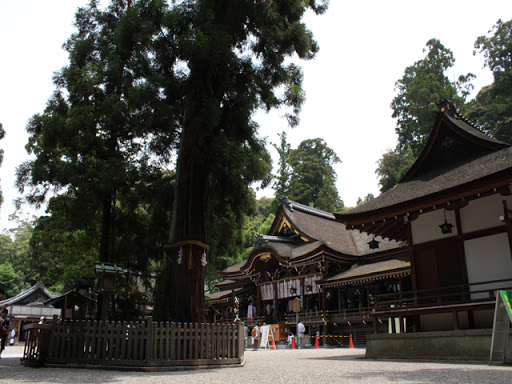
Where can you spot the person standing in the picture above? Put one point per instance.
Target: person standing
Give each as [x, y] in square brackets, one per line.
[5, 325]
[301, 330]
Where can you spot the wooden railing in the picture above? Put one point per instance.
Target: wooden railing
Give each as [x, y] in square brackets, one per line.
[142, 344]
[453, 294]
[36, 343]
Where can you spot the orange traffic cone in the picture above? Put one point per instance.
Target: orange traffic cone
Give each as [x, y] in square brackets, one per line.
[293, 342]
[351, 343]
[273, 347]
[316, 343]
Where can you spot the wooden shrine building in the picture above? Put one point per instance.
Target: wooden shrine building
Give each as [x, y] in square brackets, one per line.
[452, 208]
[308, 256]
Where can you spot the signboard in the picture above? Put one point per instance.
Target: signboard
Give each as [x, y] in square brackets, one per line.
[500, 329]
[507, 297]
[264, 331]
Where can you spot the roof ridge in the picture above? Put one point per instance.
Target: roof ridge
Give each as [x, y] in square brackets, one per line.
[306, 209]
[448, 107]
[27, 292]
[276, 239]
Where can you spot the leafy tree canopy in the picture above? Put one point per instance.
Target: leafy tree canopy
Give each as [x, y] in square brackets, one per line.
[419, 90]
[97, 135]
[492, 107]
[313, 178]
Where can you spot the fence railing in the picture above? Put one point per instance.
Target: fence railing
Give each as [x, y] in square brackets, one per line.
[446, 295]
[137, 344]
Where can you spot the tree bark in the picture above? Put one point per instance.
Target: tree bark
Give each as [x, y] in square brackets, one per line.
[106, 225]
[184, 282]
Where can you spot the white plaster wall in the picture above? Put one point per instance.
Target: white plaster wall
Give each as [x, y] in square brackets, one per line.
[488, 258]
[483, 213]
[426, 227]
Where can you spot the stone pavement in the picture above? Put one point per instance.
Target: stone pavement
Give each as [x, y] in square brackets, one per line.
[276, 367]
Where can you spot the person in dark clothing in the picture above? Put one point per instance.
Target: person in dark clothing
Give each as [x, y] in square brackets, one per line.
[5, 325]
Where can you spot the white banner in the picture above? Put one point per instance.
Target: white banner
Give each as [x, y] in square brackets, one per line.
[267, 292]
[264, 330]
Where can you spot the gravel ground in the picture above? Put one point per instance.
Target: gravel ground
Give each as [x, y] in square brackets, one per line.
[281, 366]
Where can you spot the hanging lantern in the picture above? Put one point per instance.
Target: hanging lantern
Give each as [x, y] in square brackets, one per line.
[446, 227]
[180, 255]
[374, 244]
[203, 259]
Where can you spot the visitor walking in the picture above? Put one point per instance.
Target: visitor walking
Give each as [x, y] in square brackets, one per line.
[301, 330]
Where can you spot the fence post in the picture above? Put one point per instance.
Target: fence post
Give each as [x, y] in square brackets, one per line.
[149, 340]
[241, 338]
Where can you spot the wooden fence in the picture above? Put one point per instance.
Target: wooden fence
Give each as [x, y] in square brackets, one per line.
[143, 344]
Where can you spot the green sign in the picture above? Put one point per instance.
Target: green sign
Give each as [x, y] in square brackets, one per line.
[507, 299]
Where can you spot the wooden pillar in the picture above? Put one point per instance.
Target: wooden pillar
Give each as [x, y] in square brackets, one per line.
[276, 303]
[367, 287]
[411, 259]
[258, 300]
[340, 301]
[460, 244]
[508, 223]
[302, 294]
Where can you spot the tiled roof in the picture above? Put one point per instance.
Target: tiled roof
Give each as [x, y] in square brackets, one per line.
[456, 154]
[77, 296]
[369, 269]
[321, 231]
[453, 176]
[23, 295]
[109, 268]
[335, 235]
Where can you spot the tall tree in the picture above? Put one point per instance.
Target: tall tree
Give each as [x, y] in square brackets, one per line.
[230, 55]
[493, 105]
[282, 178]
[419, 90]
[95, 138]
[313, 178]
[392, 166]
[422, 86]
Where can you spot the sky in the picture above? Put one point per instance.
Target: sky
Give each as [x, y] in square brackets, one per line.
[365, 47]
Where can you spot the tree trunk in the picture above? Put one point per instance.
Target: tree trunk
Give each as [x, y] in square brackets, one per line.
[184, 282]
[106, 225]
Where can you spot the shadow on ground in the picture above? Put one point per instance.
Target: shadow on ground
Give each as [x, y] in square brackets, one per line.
[12, 371]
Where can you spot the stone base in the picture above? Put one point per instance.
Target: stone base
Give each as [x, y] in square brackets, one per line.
[470, 345]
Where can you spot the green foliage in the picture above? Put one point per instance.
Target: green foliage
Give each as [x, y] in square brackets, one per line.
[15, 249]
[493, 105]
[313, 179]
[422, 86]
[11, 281]
[393, 166]
[367, 198]
[18, 270]
[99, 129]
[282, 179]
[63, 245]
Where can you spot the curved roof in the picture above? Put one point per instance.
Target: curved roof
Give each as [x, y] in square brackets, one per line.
[319, 233]
[457, 160]
[370, 271]
[37, 292]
